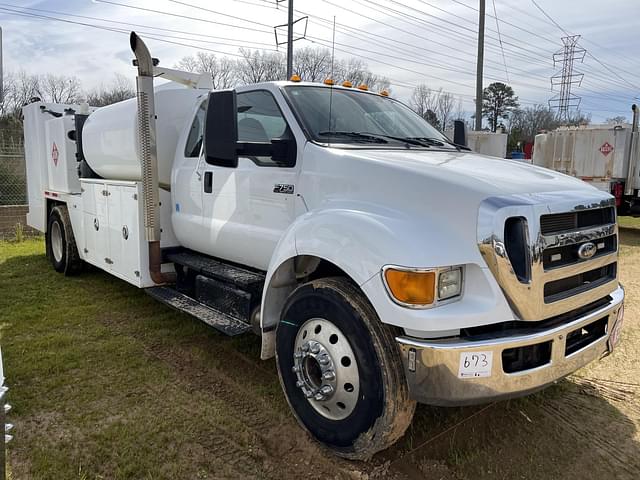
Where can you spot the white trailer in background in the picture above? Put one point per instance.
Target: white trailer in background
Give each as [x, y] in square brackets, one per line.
[606, 156]
[381, 264]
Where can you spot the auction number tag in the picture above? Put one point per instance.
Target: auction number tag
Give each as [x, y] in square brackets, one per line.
[475, 364]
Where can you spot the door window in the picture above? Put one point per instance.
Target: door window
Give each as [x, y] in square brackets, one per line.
[194, 140]
[260, 120]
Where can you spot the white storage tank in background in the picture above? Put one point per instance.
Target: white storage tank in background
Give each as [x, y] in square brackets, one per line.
[486, 143]
[110, 134]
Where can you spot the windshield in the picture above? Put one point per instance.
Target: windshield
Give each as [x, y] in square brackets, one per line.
[358, 117]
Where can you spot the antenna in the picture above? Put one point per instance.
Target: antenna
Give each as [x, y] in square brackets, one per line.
[333, 55]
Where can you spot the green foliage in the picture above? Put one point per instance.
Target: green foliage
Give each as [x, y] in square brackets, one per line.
[498, 101]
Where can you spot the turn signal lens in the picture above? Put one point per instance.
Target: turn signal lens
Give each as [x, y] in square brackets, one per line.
[412, 288]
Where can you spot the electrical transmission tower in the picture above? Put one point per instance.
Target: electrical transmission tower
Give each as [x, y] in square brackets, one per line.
[567, 77]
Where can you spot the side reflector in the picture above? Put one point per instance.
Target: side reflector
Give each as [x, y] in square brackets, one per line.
[411, 288]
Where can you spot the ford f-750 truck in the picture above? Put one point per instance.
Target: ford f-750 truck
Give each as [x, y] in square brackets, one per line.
[381, 264]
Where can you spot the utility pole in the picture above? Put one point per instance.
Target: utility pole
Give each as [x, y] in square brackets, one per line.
[290, 41]
[479, 66]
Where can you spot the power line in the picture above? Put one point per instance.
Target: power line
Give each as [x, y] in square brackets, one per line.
[500, 39]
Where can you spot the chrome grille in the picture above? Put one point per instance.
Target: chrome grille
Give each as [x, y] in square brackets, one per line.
[530, 244]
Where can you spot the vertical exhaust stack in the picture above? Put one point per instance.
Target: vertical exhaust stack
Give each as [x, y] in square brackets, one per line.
[148, 157]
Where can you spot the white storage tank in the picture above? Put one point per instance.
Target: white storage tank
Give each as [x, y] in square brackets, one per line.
[110, 134]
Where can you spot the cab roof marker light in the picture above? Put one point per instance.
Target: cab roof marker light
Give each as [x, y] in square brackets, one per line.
[329, 81]
[295, 78]
[347, 84]
[384, 93]
[363, 87]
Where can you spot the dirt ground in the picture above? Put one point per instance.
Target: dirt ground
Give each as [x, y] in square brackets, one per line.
[106, 384]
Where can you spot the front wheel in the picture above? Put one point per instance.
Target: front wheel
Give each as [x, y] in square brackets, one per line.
[341, 370]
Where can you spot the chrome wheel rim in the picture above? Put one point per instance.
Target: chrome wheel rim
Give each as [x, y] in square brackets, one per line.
[326, 369]
[56, 241]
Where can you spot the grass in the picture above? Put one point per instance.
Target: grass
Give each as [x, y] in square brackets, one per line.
[94, 395]
[106, 383]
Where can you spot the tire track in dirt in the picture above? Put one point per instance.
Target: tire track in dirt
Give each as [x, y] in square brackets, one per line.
[281, 443]
[564, 412]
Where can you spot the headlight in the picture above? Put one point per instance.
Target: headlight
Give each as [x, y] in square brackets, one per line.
[449, 283]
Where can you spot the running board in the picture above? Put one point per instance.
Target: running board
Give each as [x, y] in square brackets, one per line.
[220, 321]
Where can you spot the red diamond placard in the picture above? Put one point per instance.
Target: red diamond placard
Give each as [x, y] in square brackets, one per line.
[606, 148]
[54, 154]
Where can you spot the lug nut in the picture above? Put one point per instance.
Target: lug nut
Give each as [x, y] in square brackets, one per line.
[315, 348]
[295, 369]
[319, 397]
[326, 390]
[329, 375]
[305, 347]
[298, 355]
[299, 384]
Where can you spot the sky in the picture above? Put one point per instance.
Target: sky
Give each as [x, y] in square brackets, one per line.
[411, 42]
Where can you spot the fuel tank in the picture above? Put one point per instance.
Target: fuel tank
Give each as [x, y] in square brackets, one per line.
[110, 134]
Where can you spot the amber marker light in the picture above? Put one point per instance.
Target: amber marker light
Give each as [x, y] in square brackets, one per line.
[295, 78]
[329, 81]
[347, 84]
[363, 87]
[413, 288]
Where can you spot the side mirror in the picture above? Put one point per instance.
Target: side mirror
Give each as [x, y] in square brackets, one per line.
[221, 129]
[459, 133]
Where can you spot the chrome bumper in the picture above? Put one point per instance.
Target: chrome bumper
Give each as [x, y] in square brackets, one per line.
[432, 366]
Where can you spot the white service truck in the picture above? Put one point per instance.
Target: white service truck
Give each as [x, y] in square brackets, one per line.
[381, 264]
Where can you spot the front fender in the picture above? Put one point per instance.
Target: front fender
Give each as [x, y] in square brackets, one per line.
[360, 242]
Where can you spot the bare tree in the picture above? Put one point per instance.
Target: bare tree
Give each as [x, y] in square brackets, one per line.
[444, 109]
[312, 64]
[617, 120]
[259, 66]
[58, 88]
[222, 70]
[424, 101]
[121, 88]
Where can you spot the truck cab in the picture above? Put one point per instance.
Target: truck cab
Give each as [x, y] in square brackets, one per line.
[381, 264]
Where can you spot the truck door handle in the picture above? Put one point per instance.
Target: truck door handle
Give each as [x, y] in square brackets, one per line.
[208, 182]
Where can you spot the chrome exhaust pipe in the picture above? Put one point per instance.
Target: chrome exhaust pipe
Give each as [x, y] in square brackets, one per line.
[148, 157]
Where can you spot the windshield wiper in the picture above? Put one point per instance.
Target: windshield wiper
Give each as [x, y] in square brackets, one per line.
[441, 142]
[355, 135]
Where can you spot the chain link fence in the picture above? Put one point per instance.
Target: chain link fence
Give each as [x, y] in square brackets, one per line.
[13, 175]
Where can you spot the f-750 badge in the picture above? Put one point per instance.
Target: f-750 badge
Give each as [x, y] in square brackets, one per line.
[283, 188]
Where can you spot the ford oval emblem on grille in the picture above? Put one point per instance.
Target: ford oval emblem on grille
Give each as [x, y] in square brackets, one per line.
[587, 250]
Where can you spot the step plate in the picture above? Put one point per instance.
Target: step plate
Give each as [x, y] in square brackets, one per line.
[241, 277]
[218, 320]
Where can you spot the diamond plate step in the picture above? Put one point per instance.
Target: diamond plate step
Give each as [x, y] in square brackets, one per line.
[183, 303]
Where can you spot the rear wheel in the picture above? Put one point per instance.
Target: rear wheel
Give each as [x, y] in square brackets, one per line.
[340, 369]
[61, 244]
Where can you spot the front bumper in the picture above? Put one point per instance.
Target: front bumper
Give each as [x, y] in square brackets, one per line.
[433, 366]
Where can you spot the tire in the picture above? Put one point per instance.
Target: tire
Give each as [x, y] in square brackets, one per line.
[376, 409]
[61, 243]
